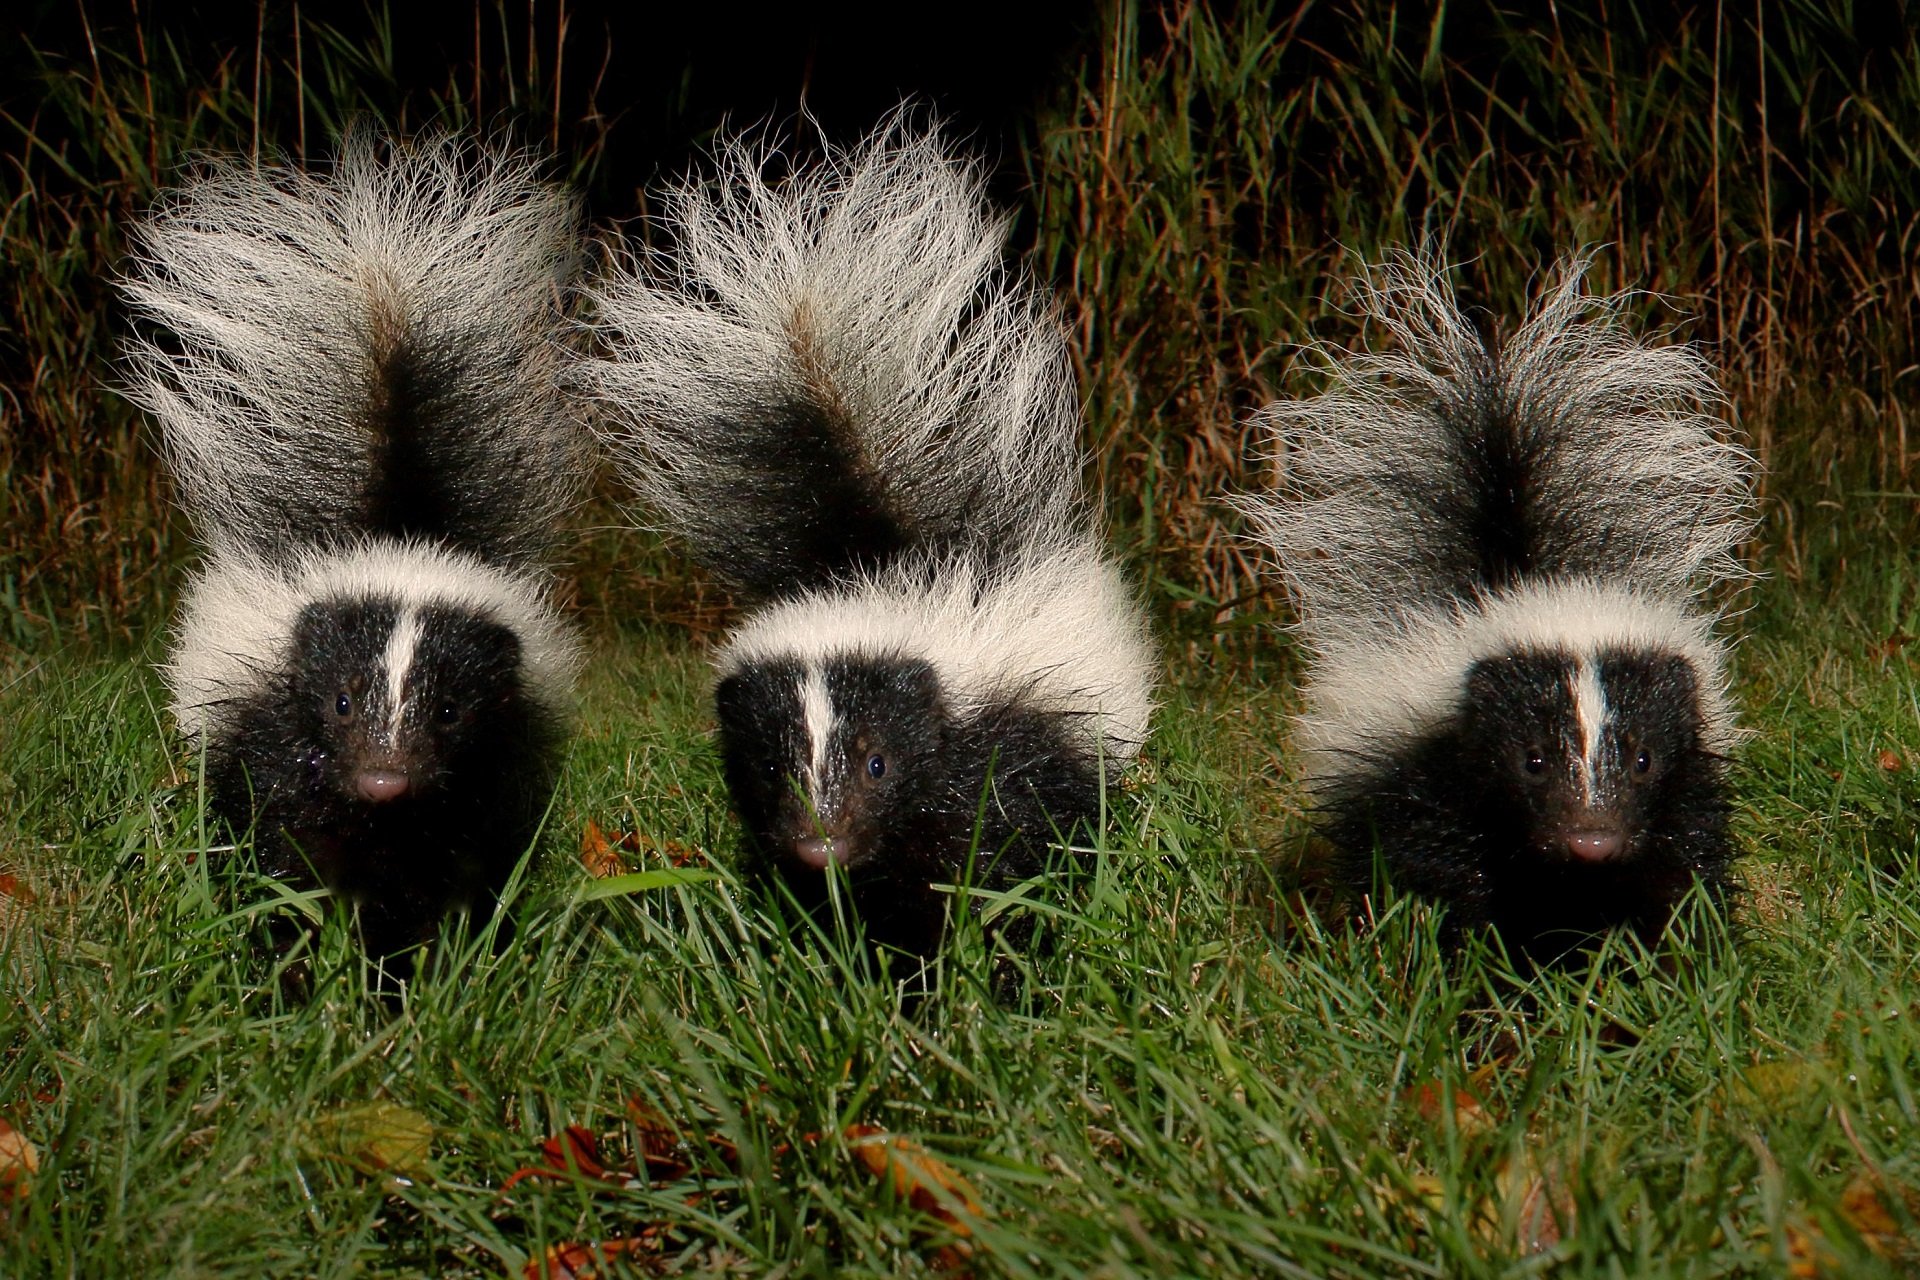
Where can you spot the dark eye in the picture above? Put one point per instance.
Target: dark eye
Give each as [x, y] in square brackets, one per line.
[1643, 762]
[343, 705]
[447, 713]
[1536, 763]
[876, 766]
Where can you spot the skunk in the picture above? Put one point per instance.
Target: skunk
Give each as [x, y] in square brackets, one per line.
[849, 409]
[354, 373]
[1496, 552]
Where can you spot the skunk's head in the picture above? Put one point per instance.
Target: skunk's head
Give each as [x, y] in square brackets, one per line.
[1587, 755]
[834, 759]
[397, 699]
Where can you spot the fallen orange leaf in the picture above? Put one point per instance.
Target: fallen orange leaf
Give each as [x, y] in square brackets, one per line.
[597, 853]
[923, 1180]
[1541, 1205]
[579, 1261]
[573, 1151]
[661, 1150]
[18, 1163]
[1864, 1206]
[603, 855]
[575, 1148]
[1866, 1211]
[1470, 1118]
[15, 898]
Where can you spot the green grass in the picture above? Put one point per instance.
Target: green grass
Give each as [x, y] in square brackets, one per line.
[1197, 1077]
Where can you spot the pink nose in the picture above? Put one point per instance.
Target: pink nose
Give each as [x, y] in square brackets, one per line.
[817, 853]
[1595, 846]
[381, 785]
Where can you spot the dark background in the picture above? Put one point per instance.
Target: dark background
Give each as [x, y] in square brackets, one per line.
[642, 85]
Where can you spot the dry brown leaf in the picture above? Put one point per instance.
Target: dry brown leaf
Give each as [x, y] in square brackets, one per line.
[1866, 1211]
[581, 1261]
[18, 1163]
[1470, 1118]
[15, 898]
[1807, 1253]
[603, 855]
[1864, 1207]
[660, 1147]
[574, 1152]
[1890, 647]
[664, 1150]
[924, 1181]
[597, 853]
[375, 1137]
[676, 853]
[1539, 1202]
[1530, 1207]
[666, 1156]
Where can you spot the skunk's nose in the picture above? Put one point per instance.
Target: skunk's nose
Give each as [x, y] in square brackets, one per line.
[381, 785]
[1595, 846]
[817, 852]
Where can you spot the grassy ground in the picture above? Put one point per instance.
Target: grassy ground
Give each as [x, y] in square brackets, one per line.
[1197, 1078]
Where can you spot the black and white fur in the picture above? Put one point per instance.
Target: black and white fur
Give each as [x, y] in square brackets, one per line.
[837, 394]
[1496, 551]
[354, 373]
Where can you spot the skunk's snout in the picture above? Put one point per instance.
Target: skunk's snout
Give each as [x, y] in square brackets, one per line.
[381, 785]
[1595, 843]
[818, 851]
[815, 837]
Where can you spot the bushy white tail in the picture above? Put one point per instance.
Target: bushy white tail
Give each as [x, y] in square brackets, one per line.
[369, 349]
[1445, 465]
[828, 370]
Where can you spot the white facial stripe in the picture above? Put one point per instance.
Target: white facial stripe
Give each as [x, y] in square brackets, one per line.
[819, 712]
[1590, 707]
[401, 644]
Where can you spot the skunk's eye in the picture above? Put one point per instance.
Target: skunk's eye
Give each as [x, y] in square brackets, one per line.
[1643, 762]
[447, 713]
[1536, 762]
[343, 705]
[876, 766]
